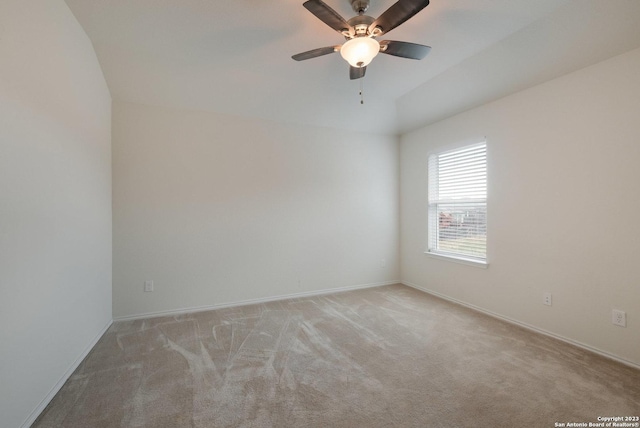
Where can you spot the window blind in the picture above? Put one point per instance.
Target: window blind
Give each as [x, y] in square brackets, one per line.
[458, 202]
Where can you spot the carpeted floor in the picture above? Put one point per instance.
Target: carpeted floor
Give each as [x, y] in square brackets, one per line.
[381, 357]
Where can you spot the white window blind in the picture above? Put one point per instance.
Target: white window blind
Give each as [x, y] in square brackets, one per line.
[458, 203]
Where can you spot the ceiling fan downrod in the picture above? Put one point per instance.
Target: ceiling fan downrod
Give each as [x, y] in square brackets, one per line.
[359, 6]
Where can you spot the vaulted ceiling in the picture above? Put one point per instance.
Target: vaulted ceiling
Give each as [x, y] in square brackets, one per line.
[234, 57]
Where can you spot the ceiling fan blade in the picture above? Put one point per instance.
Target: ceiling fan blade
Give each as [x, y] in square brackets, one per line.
[315, 53]
[357, 72]
[398, 13]
[404, 49]
[327, 15]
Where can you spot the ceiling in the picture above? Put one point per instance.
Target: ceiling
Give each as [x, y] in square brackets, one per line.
[234, 57]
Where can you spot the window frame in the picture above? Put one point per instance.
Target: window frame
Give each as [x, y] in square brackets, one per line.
[432, 211]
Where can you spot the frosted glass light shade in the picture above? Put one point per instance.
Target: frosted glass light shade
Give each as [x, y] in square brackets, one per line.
[359, 51]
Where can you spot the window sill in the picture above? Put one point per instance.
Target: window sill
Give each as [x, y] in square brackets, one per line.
[458, 259]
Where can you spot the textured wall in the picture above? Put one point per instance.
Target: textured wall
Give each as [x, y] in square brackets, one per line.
[562, 209]
[218, 209]
[55, 201]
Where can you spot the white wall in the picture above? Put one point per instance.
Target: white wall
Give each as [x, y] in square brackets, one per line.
[563, 209]
[218, 209]
[55, 202]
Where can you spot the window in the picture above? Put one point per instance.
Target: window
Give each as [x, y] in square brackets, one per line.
[458, 203]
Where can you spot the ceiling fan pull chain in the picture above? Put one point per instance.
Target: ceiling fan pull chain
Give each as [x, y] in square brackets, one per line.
[361, 89]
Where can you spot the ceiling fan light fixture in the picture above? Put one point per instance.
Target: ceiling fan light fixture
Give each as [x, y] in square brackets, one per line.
[360, 51]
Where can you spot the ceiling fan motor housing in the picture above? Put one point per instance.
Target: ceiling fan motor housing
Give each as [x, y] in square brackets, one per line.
[361, 24]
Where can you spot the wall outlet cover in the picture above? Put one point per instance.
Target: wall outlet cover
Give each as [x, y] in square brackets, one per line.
[619, 318]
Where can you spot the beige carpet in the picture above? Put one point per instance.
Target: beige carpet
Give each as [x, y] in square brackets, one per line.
[381, 357]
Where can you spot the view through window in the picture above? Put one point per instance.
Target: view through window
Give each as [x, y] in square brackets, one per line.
[458, 203]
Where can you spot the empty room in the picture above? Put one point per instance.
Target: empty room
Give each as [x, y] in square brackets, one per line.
[275, 214]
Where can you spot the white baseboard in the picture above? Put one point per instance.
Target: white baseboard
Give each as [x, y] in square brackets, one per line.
[180, 311]
[45, 402]
[525, 325]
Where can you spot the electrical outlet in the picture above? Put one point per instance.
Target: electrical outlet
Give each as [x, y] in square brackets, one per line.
[148, 286]
[546, 299]
[619, 318]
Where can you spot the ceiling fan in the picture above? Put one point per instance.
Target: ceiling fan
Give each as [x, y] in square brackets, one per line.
[361, 32]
